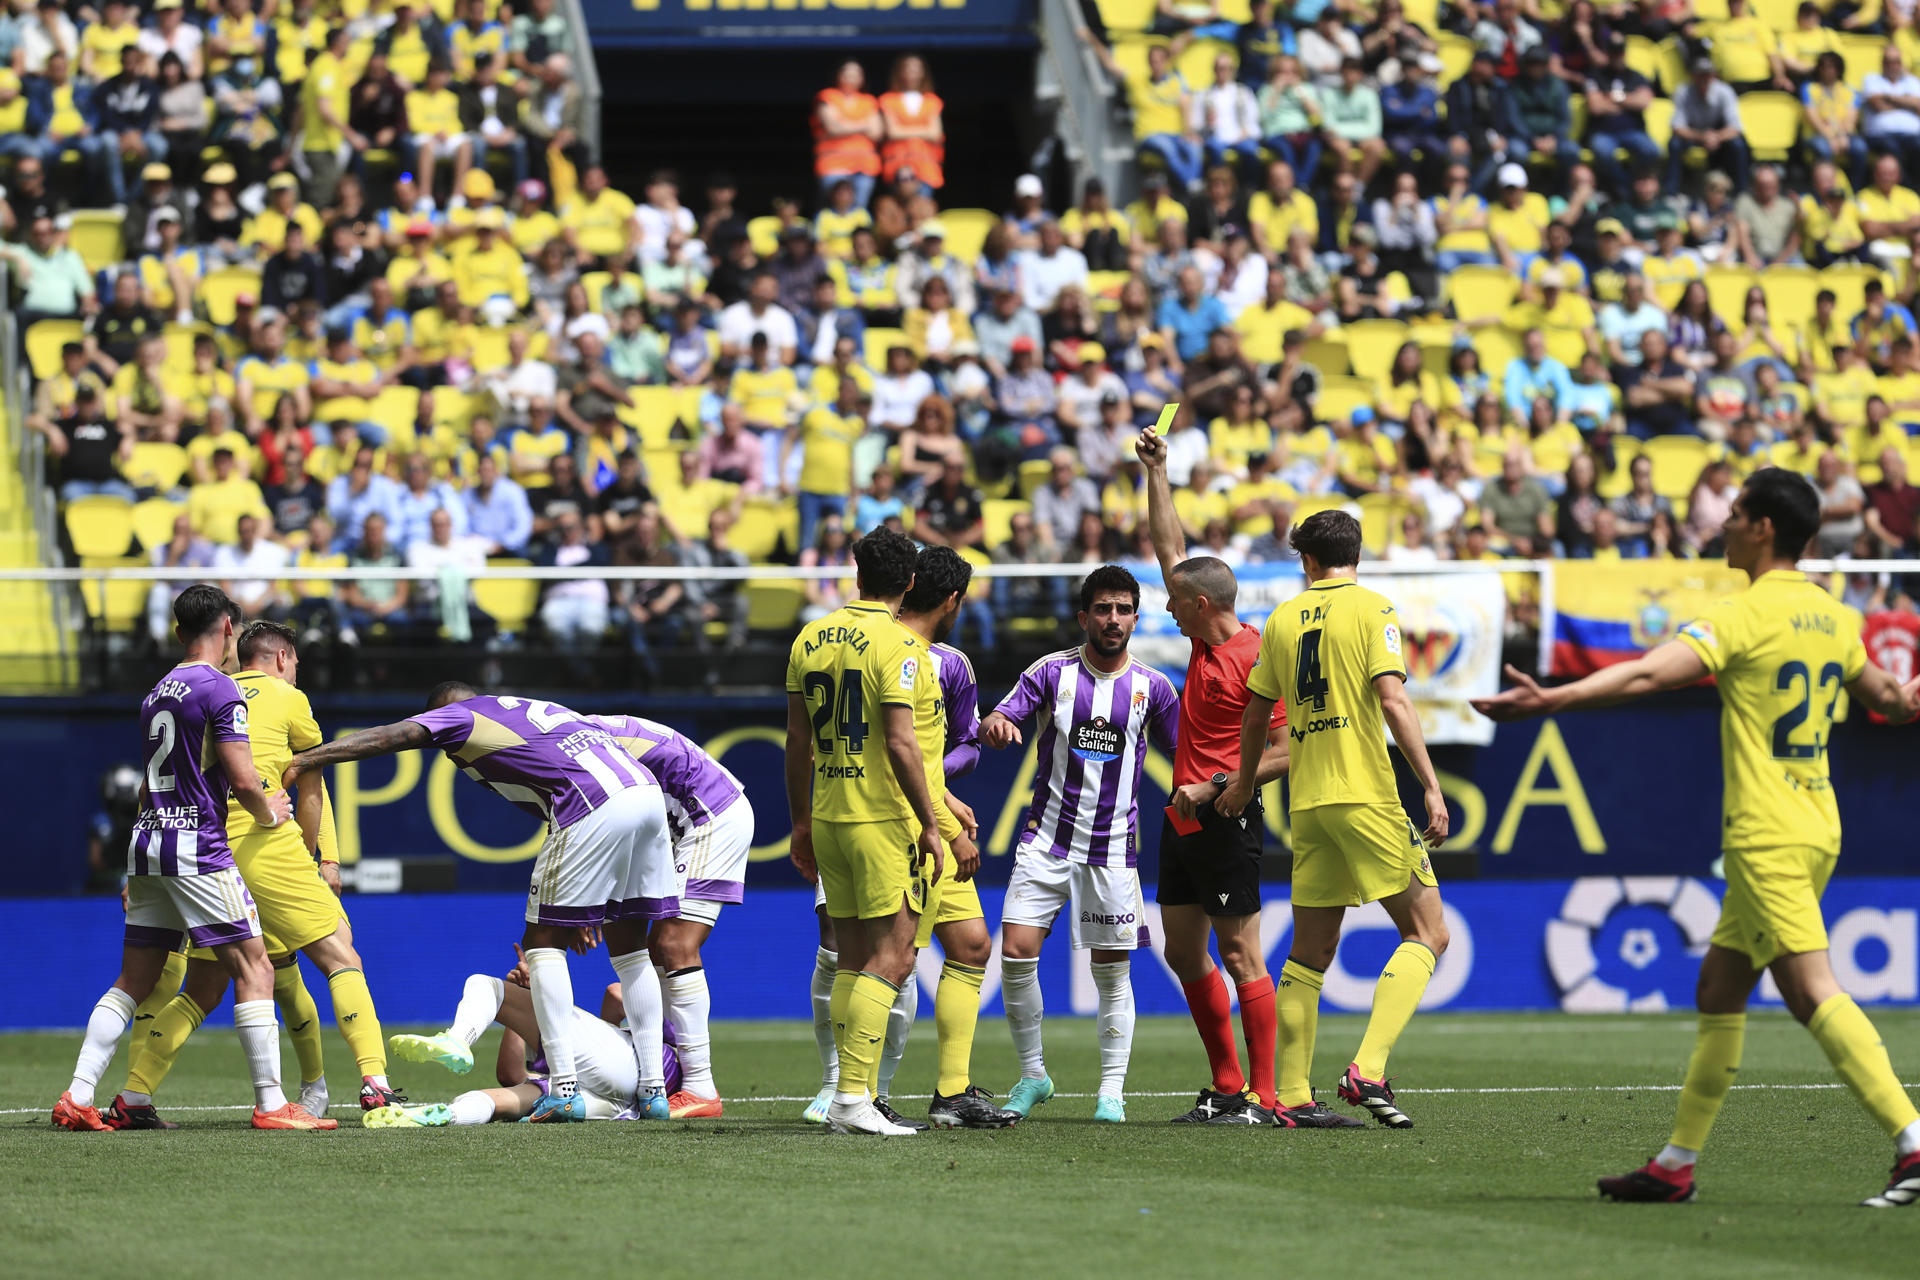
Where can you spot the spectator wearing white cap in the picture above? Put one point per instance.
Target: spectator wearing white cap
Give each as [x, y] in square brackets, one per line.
[1023, 220]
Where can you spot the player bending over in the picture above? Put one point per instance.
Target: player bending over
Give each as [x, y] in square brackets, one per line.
[1780, 653]
[1332, 653]
[1094, 708]
[181, 877]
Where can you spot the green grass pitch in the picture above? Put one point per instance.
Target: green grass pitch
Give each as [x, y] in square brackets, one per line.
[1516, 1116]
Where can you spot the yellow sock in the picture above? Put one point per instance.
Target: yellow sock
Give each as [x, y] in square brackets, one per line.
[172, 974]
[868, 1004]
[353, 1010]
[1860, 1056]
[1710, 1073]
[843, 980]
[956, 1012]
[302, 1017]
[154, 1052]
[1395, 997]
[1297, 1004]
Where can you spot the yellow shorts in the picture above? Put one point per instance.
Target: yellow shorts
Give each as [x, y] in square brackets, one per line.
[296, 906]
[867, 868]
[948, 901]
[1772, 906]
[1346, 855]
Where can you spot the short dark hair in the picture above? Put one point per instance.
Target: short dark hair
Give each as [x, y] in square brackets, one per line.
[885, 560]
[1108, 578]
[1788, 499]
[1208, 576]
[262, 635]
[1332, 538]
[938, 572]
[449, 691]
[199, 610]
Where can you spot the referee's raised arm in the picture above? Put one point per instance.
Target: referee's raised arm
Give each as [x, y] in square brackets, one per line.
[1163, 523]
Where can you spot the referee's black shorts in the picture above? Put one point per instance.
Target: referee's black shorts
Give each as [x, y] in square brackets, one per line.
[1217, 868]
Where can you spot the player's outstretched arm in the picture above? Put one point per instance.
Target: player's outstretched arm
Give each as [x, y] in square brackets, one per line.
[910, 771]
[800, 786]
[1401, 717]
[1163, 525]
[1880, 691]
[236, 757]
[1673, 665]
[386, 740]
[1255, 722]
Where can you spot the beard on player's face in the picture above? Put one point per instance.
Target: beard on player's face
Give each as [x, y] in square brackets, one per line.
[944, 625]
[1108, 638]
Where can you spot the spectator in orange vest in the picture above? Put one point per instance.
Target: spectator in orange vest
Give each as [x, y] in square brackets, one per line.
[916, 139]
[846, 127]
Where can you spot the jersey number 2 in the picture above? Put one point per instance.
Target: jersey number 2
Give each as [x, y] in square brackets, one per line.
[161, 729]
[1309, 685]
[851, 705]
[1796, 673]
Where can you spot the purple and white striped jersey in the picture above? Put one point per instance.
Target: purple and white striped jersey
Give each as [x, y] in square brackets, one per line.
[1090, 752]
[696, 787]
[182, 827]
[962, 695]
[546, 760]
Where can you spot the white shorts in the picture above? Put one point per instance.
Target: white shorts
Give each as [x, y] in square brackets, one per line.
[212, 909]
[614, 864]
[441, 150]
[1107, 906]
[603, 1060]
[710, 862]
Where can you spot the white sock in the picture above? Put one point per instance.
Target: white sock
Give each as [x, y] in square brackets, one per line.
[260, 1039]
[1020, 992]
[480, 1002]
[646, 1014]
[825, 964]
[1907, 1141]
[1672, 1157]
[1114, 984]
[105, 1025]
[688, 1005]
[551, 985]
[899, 1023]
[134, 1098]
[472, 1108]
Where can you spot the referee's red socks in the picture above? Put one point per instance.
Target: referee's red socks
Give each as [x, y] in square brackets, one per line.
[1260, 1021]
[1213, 1015]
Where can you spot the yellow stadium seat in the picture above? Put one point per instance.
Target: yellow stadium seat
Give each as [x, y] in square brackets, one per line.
[44, 341]
[1617, 482]
[1195, 62]
[1677, 463]
[1862, 54]
[763, 234]
[1424, 14]
[1103, 288]
[395, 408]
[1659, 120]
[757, 533]
[773, 604]
[653, 413]
[967, 230]
[1340, 396]
[155, 465]
[596, 282]
[508, 601]
[489, 349]
[1673, 66]
[1781, 15]
[179, 339]
[96, 234]
[1371, 346]
[100, 526]
[1727, 294]
[1790, 292]
[1480, 292]
[1849, 284]
[1772, 123]
[221, 287]
[1456, 55]
[153, 521]
[1126, 15]
[1565, 345]
[1033, 475]
[117, 603]
[1643, 55]
[877, 342]
[1236, 11]
[1497, 346]
[1130, 55]
[1328, 354]
[1710, 10]
[998, 514]
[1380, 520]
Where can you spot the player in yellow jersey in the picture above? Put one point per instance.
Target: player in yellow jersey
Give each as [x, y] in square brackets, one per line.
[298, 902]
[1781, 654]
[863, 817]
[1333, 654]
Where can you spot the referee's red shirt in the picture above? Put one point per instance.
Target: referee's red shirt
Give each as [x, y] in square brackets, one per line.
[1211, 705]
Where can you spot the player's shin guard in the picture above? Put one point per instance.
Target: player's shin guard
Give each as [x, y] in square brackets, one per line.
[1716, 1060]
[1297, 1006]
[1113, 988]
[302, 1016]
[906, 1006]
[260, 1039]
[105, 1025]
[689, 1006]
[646, 1015]
[480, 1002]
[1860, 1056]
[153, 1053]
[1395, 997]
[956, 1013]
[1258, 1021]
[868, 1003]
[172, 974]
[825, 963]
[353, 1010]
[551, 985]
[1213, 1019]
[1020, 993]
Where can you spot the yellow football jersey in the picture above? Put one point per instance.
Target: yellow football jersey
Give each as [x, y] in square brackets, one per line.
[1320, 653]
[930, 727]
[847, 666]
[279, 723]
[1781, 653]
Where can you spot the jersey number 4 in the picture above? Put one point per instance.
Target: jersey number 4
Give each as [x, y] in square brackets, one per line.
[1309, 685]
[1793, 674]
[848, 705]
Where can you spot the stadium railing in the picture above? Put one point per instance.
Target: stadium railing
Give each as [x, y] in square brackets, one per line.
[586, 71]
[1099, 144]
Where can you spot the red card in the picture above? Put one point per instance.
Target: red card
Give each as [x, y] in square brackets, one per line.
[1185, 826]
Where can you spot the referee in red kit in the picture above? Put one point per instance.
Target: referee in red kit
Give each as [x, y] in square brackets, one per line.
[1210, 864]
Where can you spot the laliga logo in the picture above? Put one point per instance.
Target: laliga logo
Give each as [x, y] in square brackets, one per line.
[1575, 963]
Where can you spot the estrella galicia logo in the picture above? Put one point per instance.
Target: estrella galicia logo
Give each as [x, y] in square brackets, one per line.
[1630, 943]
[1097, 740]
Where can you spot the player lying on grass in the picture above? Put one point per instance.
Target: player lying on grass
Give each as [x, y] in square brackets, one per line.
[1780, 654]
[609, 1076]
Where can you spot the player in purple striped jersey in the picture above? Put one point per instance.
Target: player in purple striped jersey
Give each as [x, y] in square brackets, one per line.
[181, 878]
[607, 858]
[1095, 708]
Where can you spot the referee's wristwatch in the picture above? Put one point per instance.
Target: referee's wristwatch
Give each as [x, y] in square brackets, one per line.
[1220, 780]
